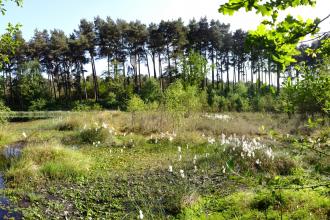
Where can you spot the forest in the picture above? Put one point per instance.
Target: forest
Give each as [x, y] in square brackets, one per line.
[176, 119]
[48, 72]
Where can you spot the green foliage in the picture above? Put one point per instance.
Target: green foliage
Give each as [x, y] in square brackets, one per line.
[8, 44]
[287, 103]
[3, 109]
[309, 95]
[194, 69]
[150, 91]
[237, 102]
[265, 8]
[94, 135]
[31, 87]
[260, 205]
[115, 95]
[182, 101]
[86, 105]
[38, 105]
[55, 162]
[136, 104]
[221, 103]
[280, 39]
[266, 103]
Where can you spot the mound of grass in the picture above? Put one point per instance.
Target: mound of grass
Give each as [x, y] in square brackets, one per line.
[3, 136]
[303, 204]
[55, 162]
[93, 135]
[68, 125]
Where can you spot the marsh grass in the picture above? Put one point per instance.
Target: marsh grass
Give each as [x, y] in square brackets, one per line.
[306, 204]
[62, 174]
[48, 161]
[69, 124]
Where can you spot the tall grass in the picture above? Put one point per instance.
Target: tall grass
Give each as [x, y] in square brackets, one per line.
[48, 161]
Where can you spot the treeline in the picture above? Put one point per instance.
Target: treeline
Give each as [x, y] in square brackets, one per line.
[48, 71]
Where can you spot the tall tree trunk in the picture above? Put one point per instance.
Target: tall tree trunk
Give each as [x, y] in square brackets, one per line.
[54, 87]
[269, 72]
[49, 83]
[147, 59]
[154, 65]
[221, 72]
[134, 64]
[10, 88]
[278, 78]
[139, 66]
[108, 62]
[227, 69]
[84, 81]
[116, 69]
[124, 73]
[259, 80]
[212, 58]
[96, 87]
[160, 72]
[168, 62]
[234, 75]
[4, 83]
[238, 72]
[252, 69]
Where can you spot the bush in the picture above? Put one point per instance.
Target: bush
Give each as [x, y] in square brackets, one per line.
[182, 101]
[221, 103]
[87, 105]
[310, 94]
[135, 104]
[93, 135]
[150, 91]
[241, 89]
[265, 103]
[3, 109]
[238, 103]
[38, 105]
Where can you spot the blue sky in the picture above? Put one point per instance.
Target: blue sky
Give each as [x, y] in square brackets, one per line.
[66, 14]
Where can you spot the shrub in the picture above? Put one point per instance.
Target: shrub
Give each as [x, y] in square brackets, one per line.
[310, 94]
[111, 101]
[38, 105]
[238, 103]
[88, 105]
[135, 104]
[182, 101]
[263, 103]
[150, 91]
[284, 165]
[93, 135]
[241, 89]
[221, 103]
[3, 109]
